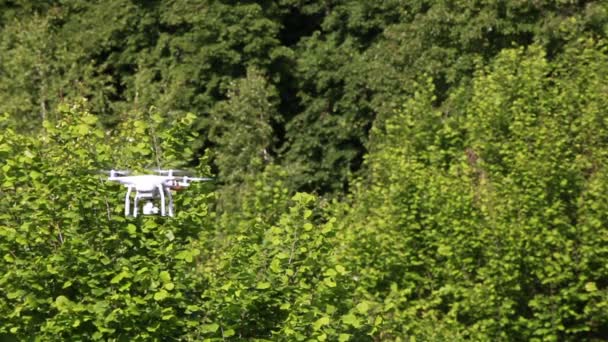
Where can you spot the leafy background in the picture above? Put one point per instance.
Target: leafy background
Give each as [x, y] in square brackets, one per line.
[396, 170]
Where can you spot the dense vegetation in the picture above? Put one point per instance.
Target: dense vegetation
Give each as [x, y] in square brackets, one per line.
[386, 170]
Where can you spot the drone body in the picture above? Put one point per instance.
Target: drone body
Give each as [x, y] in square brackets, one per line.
[151, 187]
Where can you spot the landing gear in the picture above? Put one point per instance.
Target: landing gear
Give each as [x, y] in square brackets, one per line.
[149, 208]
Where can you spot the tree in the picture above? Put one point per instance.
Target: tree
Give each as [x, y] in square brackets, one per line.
[74, 267]
[480, 219]
[240, 128]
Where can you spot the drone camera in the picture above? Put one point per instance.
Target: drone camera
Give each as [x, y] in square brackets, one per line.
[149, 208]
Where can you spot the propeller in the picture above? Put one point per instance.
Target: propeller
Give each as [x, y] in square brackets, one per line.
[173, 172]
[198, 179]
[115, 172]
[184, 181]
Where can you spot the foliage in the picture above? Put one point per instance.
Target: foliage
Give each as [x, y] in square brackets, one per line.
[240, 128]
[74, 267]
[478, 223]
[454, 154]
[337, 67]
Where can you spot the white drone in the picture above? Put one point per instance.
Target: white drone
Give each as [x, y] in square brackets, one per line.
[152, 186]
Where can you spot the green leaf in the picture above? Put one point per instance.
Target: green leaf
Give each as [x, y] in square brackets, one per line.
[330, 309]
[140, 127]
[263, 285]
[131, 229]
[117, 278]
[330, 272]
[590, 287]
[192, 308]
[125, 286]
[275, 265]
[363, 307]
[341, 269]
[329, 282]
[444, 250]
[320, 323]
[120, 276]
[100, 307]
[89, 119]
[8, 258]
[343, 337]
[351, 320]
[82, 129]
[282, 255]
[35, 175]
[62, 303]
[164, 276]
[161, 295]
[186, 255]
[307, 213]
[210, 328]
[153, 328]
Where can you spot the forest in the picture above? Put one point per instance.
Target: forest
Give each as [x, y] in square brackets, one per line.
[398, 170]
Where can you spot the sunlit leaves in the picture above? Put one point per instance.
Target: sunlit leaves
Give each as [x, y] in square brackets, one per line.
[78, 269]
[488, 207]
[481, 213]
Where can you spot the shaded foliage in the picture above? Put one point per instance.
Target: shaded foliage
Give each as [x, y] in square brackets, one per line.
[461, 146]
[336, 66]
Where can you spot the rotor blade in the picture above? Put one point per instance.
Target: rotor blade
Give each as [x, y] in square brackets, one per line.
[116, 172]
[199, 179]
[171, 171]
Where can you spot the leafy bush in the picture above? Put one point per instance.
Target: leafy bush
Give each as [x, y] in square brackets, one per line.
[486, 221]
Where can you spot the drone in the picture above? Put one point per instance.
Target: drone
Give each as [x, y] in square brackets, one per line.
[149, 187]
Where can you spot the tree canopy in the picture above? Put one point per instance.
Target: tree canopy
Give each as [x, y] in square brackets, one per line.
[395, 170]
